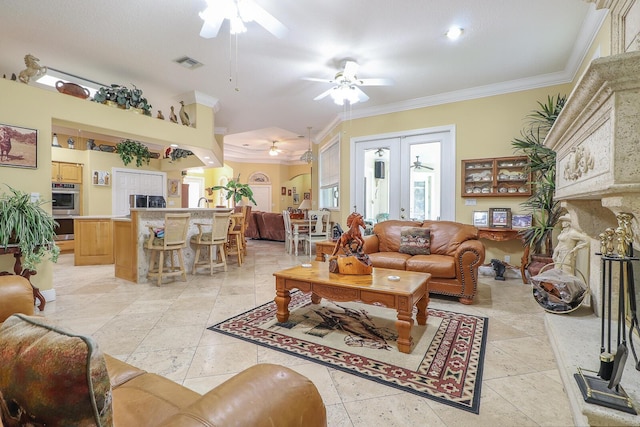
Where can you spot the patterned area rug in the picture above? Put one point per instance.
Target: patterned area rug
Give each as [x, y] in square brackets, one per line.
[445, 363]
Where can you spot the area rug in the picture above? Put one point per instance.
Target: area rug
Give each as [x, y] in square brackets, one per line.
[445, 363]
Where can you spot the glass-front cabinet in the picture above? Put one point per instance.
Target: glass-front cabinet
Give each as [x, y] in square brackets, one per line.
[498, 176]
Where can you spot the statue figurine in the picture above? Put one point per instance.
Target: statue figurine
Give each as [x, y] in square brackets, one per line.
[603, 243]
[354, 260]
[622, 242]
[499, 267]
[609, 233]
[33, 69]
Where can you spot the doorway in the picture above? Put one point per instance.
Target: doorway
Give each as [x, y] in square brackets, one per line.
[407, 175]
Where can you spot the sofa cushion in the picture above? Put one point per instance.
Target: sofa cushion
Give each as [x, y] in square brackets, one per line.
[388, 233]
[446, 236]
[440, 266]
[51, 376]
[394, 260]
[415, 241]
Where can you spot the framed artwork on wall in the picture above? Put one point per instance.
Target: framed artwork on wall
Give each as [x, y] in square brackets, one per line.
[521, 221]
[173, 188]
[289, 193]
[101, 178]
[296, 199]
[283, 191]
[307, 196]
[500, 217]
[18, 147]
[481, 218]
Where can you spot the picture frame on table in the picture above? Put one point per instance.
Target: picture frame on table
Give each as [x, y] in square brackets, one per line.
[18, 147]
[500, 217]
[481, 218]
[521, 221]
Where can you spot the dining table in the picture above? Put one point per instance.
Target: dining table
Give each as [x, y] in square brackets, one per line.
[298, 225]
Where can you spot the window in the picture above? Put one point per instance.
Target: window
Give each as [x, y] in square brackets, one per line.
[329, 176]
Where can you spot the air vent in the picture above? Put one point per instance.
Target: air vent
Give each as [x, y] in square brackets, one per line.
[189, 63]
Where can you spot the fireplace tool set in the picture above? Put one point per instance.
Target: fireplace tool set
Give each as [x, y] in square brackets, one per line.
[616, 250]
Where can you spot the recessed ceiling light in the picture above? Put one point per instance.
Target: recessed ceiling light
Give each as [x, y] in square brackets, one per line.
[454, 33]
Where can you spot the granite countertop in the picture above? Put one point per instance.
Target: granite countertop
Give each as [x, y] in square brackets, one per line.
[181, 209]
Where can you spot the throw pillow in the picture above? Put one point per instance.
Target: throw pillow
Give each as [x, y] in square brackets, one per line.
[49, 376]
[415, 241]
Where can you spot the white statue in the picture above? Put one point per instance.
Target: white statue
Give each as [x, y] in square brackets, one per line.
[570, 241]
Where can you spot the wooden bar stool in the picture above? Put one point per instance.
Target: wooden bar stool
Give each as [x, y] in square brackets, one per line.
[213, 242]
[172, 237]
[234, 239]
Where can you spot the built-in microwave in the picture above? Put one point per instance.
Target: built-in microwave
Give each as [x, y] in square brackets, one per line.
[65, 199]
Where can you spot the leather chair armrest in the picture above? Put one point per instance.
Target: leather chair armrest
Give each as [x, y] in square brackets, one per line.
[263, 395]
[371, 244]
[16, 296]
[468, 257]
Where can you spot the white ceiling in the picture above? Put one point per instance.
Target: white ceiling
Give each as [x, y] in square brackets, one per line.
[506, 45]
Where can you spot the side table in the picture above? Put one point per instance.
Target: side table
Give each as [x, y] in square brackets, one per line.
[503, 234]
[324, 248]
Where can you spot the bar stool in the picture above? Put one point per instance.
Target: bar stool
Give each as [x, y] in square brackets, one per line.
[234, 239]
[172, 237]
[213, 242]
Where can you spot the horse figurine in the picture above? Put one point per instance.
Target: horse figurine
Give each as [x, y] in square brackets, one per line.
[351, 236]
[5, 144]
[33, 69]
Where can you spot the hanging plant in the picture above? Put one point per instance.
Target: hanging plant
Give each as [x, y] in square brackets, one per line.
[129, 149]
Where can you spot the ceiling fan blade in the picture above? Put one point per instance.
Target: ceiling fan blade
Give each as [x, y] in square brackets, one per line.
[350, 70]
[375, 82]
[313, 79]
[211, 25]
[362, 97]
[323, 94]
[267, 20]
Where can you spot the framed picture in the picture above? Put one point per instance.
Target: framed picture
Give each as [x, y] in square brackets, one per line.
[307, 196]
[520, 221]
[18, 147]
[481, 218]
[294, 190]
[173, 188]
[283, 191]
[296, 198]
[101, 178]
[289, 193]
[500, 217]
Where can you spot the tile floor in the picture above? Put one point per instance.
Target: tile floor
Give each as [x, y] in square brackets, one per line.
[163, 330]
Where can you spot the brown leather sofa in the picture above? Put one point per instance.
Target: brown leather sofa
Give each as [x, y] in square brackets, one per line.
[122, 395]
[456, 254]
[266, 226]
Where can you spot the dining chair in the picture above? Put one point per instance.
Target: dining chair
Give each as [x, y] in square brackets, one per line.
[318, 228]
[213, 242]
[171, 238]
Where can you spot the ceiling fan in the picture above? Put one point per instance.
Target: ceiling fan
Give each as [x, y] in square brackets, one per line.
[346, 87]
[238, 12]
[274, 151]
[419, 166]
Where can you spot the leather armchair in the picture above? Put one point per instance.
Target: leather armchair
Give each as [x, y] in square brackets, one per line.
[16, 296]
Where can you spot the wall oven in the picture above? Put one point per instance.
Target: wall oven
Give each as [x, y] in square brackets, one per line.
[65, 199]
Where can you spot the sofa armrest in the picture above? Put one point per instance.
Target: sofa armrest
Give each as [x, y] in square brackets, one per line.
[263, 395]
[468, 257]
[371, 244]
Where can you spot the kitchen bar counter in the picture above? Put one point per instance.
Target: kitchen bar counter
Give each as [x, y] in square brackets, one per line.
[130, 234]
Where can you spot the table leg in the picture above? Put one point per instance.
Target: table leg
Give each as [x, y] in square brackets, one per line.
[422, 314]
[403, 326]
[295, 237]
[282, 300]
[523, 264]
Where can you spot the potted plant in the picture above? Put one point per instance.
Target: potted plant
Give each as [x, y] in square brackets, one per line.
[25, 224]
[541, 204]
[129, 149]
[235, 190]
[123, 97]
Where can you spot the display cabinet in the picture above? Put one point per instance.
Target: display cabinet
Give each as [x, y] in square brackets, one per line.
[498, 176]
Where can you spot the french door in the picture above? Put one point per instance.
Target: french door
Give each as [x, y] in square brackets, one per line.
[408, 175]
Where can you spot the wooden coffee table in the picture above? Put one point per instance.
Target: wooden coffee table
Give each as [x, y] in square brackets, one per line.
[412, 289]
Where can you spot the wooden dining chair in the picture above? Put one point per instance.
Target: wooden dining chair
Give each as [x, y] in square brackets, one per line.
[235, 240]
[319, 228]
[171, 238]
[213, 242]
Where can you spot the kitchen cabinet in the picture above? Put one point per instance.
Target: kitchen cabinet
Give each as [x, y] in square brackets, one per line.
[93, 241]
[66, 172]
[496, 177]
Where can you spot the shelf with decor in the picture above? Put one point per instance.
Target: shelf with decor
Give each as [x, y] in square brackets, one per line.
[496, 177]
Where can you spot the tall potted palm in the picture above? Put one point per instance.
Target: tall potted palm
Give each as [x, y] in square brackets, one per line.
[546, 210]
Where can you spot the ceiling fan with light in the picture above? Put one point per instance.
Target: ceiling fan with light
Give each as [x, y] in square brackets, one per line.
[346, 87]
[417, 165]
[238, 12]
[274, 151]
